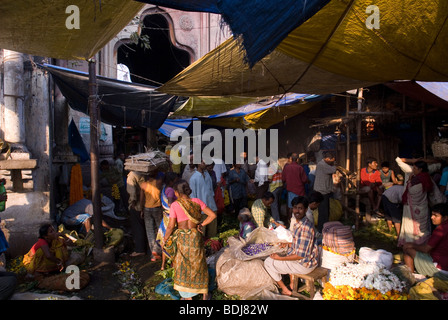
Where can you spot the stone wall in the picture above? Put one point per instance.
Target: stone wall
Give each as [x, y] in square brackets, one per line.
[29, 129]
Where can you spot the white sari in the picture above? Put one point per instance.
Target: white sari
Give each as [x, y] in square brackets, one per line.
[415, 226]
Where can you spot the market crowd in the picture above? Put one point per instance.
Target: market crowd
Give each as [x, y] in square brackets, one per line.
[173, 212]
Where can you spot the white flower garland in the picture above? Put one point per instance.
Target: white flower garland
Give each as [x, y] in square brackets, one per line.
[366, 275]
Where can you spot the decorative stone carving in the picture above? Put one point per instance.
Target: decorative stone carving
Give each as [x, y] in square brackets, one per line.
[186, 23]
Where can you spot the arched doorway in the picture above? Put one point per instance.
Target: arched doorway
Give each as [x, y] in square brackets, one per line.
[159, 63]
[151, 66]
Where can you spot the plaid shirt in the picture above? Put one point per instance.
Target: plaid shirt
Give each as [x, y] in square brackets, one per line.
[260, 214]
[303, 243]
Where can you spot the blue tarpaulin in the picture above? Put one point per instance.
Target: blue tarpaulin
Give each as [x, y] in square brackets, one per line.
[233, 118]
[121, 103]
[172, 124]
[264, 24]
[76, 143]
[261, 24]
[286, 100]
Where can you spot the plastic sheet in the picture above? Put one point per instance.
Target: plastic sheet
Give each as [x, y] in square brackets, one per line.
[259, 235]
[241, 277]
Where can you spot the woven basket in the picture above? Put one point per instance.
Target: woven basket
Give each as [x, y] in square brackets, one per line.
[440, 148]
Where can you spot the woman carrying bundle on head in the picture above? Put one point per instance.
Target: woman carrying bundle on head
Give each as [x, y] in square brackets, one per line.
[186, 244]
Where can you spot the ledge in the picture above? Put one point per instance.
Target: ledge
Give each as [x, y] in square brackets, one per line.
[18, 164]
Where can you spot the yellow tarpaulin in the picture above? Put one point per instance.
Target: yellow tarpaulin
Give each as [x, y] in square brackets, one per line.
[206, 106]
[332, 52]
[223, 72]
[40, 28]
[262, 119]
[410, 42]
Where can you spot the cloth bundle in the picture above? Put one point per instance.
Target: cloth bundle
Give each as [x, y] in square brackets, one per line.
[338, 237]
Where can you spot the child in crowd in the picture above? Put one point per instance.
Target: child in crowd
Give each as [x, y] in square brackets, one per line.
[387, 175]
[431, 258]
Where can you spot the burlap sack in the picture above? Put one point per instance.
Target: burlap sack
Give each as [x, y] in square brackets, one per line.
[238, 277]
[58, 282]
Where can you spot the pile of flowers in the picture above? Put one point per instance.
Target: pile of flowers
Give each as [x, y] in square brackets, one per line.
[364, 281]
[252, 249]
[129, 279]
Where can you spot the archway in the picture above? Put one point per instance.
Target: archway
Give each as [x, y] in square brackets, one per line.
[161, 61]
[152, 66]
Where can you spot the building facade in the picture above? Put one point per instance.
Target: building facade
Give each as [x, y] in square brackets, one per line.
[34, 115]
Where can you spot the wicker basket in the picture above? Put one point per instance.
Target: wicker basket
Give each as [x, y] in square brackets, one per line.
[147, 162]
[440, 148]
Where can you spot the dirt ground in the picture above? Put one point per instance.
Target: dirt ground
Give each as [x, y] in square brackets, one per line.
[105, 284]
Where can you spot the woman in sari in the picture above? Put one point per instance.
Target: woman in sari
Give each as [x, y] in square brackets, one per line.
[48, 254]
[168, 197]
[190, 267]
[415, 222]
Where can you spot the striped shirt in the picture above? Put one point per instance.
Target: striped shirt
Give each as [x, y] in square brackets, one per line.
[303, 243]
[260, 214]
[276, 182]
[275, 176]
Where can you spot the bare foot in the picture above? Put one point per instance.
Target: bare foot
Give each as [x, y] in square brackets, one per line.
[286, 292]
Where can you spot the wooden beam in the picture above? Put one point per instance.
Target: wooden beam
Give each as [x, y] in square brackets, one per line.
[358, 156]
[94, 155]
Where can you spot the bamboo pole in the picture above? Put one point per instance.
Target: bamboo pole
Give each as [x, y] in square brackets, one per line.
[94, 147]
[347, 135]
[347, 151]
[424, 130]
[358, 156]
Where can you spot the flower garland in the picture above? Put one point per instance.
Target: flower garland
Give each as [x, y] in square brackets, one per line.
[332, 251]
[364, 281]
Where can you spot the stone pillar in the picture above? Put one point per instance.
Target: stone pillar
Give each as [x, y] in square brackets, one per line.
[151, 138]
[14, 131]
[62, 153]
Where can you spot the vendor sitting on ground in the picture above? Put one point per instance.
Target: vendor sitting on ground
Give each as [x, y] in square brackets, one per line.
[246, 223]
[80, 214]
[302, 255]
[431, 259]
[48, 254]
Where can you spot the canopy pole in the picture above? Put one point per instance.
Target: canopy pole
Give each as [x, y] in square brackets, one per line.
[151, 138]
[358, 159]
[94, 147]
[347, 151]
[424, 130]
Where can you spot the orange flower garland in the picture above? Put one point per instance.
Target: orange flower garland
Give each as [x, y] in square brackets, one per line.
[348, 293]
[345, 255]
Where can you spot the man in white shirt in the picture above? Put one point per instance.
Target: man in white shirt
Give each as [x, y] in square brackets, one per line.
[261, 178]
[202, 188]
[219, 168]
[189, 170]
